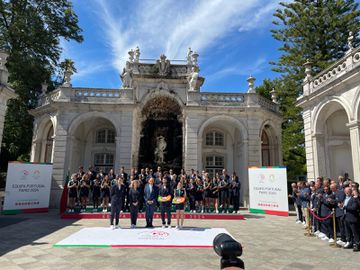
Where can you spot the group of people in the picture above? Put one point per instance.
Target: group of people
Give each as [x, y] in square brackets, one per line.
[151, 190]
[316, 203]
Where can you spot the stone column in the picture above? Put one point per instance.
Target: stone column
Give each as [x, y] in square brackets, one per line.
[319, 155]
[117, 154]
[309, 146]
[355, 148]
[59, 161]
[125, 140]
[254, 142]
[191, 143]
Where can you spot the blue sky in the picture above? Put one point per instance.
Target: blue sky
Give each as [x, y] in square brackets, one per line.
[232, 38]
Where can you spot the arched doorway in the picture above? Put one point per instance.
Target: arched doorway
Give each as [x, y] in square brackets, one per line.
[161, 134]
[332, 140]
[93, 144]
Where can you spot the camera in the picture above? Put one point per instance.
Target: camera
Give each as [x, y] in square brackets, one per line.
[229, 250]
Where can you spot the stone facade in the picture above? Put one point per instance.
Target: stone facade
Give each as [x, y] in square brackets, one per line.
[331, 103]
[113, 127]
[6, 92]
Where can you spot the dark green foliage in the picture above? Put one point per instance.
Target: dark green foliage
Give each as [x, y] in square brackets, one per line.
[307, 29]
[31, 31]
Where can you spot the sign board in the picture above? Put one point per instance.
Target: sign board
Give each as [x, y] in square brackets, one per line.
[268, 190]
[27, 187]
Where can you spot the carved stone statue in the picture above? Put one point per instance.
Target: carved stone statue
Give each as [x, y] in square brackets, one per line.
[163, 65]
[188, 56]
[160, 149]
[127, 76]
[193, 79]
[131, 55]
[137, 54]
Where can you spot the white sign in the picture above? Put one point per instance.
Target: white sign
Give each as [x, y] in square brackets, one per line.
[157, 237]
[268, 190]
[27, 186]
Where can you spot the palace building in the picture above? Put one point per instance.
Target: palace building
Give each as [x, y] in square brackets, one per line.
[331, 112]
[159, 117]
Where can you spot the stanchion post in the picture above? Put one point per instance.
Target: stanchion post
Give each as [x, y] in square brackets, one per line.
[308, 230]
[334, 226]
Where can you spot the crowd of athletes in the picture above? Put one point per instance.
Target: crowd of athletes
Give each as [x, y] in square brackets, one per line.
[205, 194]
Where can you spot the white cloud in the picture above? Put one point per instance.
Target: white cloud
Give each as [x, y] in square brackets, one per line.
[172, 26]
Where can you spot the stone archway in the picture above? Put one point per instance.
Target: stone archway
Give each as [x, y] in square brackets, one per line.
[161, 134]
[332, 141]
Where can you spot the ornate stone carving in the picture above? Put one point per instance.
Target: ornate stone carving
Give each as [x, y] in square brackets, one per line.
[67, 78]
[160, 149]
[137, 54]
[131, 56]
[162, 66]
[188, 56]
[127, 76]
[193, 79]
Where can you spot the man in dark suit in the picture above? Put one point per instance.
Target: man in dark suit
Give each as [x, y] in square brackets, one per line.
[116, 194]
[339, 211]
[150, 193]
[352, 219]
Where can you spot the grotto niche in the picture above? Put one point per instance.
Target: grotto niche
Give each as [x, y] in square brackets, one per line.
[161, 137]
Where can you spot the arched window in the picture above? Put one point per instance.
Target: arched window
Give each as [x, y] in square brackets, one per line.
[49, 145]
[214, 164]
[105, 136]
[214, 138]
[104, 161]
[265, 149]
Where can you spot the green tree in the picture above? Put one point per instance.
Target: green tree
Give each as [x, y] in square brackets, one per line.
[307, 29]
[31, 31]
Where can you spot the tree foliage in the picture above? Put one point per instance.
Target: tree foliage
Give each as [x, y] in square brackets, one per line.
[31, 31]
[307, 29]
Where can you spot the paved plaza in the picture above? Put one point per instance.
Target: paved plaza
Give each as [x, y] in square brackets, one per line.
[270, 242]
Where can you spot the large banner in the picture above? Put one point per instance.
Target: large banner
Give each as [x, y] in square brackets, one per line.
[27, 187]
[268, 190]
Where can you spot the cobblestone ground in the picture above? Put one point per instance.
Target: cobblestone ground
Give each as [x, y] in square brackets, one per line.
[270, 242]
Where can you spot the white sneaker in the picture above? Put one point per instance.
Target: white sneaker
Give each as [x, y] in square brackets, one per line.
[217, 211]
[325, 238]
[163, 226]
[304, 223]
[317, 233]
[298, 222]
[112, 227]
[321, 235]
[331, 240]
[347, 244]
[169, 226]
[340, 243]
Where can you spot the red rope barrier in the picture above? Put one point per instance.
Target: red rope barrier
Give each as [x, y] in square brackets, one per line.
[319, 218]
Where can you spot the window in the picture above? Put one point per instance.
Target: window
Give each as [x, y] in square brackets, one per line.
[105, 136]
[214, 164]
[103, 161]
[214, 138]
[49, 145]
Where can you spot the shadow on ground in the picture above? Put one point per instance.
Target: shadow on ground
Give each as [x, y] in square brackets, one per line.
[28, 229]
